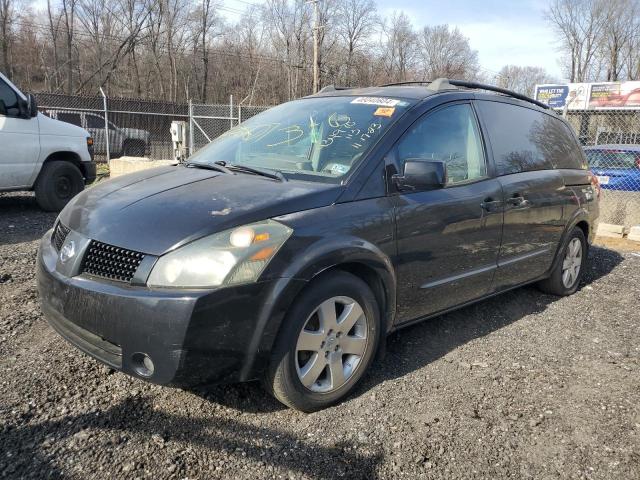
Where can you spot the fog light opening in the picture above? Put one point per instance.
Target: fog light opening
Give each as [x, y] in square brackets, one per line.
[142, 364]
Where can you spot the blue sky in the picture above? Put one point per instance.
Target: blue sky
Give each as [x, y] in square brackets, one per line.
[503, 32]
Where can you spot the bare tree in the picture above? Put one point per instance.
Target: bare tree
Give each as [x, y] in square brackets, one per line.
[522, 79]
[68, 14]
[354, 21]
[580, 25]
[54, 19]
[398, 46]
[446, 52]
[181, 49]
[7, 17]
[209, 28]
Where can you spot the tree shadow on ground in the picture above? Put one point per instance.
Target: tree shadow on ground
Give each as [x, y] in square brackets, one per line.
[136, 416]
[421, 344]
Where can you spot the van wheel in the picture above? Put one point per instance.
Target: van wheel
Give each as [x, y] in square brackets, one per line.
[327, 342]
[58, 182]
[565, 277]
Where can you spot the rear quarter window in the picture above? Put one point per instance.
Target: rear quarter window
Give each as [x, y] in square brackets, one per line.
[523, 139]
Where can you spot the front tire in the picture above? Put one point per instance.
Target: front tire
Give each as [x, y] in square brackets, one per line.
[58, 182]
[327, 342]
[565, 277]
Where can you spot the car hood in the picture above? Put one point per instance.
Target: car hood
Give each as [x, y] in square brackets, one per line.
[157, 210]
[49, 126]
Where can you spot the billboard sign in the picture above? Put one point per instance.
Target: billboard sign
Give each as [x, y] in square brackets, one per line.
[572, 95]
[615, 95]
[580, 96]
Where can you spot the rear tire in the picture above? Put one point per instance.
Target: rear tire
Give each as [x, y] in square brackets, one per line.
[565, 277]
[58, 182]
[327, 351]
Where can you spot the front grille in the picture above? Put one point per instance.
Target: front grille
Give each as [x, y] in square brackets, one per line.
[59, 234]
[114, 263]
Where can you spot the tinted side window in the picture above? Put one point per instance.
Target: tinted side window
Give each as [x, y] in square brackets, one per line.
[567, 153]
[520, 137]
[73, 118]
[8, 101]
[450, 135]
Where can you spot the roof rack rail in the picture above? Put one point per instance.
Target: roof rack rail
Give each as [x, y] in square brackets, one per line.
[415, 82]
[442, 84]
[332, 88]
[491, 88]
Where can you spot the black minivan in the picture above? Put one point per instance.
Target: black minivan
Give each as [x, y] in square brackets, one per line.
[291, 245]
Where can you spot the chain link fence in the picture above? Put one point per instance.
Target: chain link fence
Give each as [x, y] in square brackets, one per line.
[141, 128]
[611, 139]
[210, 121]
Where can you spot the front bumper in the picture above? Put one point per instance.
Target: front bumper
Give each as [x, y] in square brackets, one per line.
[89, 171]
[193, 337]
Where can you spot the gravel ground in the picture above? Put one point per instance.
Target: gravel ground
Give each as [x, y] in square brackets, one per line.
[522, 386]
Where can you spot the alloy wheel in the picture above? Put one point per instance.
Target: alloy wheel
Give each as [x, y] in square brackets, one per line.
[331, 344]
[572, 263]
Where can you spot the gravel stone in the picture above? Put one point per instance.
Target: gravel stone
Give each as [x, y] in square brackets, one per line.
[512, 387]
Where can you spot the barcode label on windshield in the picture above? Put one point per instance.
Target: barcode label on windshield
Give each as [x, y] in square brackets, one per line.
[379, 101]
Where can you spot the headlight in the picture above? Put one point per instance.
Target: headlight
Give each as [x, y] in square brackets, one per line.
[231, 257]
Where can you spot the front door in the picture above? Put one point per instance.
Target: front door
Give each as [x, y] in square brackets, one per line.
[448, 239]
[19, 141]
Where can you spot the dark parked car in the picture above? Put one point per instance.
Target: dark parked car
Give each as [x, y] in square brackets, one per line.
[288, 248]
[616, 166]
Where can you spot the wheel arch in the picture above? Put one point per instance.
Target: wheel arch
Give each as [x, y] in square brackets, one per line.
[581, 220]
[64, 156]
[358, 258]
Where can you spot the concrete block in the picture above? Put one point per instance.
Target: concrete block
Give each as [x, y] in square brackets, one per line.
[124, 165]
[609, 230]
[634, 233]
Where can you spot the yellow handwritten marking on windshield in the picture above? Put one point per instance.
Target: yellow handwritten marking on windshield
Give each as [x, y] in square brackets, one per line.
[250, 135]
[292, 130]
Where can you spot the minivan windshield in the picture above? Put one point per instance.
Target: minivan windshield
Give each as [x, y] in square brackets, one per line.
[318, 139]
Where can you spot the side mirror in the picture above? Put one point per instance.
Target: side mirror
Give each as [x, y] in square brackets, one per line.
[32, 105]
[421, 175]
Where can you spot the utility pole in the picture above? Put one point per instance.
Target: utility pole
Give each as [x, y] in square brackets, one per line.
[316, 46]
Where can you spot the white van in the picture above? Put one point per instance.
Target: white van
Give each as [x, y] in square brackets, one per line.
[53, 158]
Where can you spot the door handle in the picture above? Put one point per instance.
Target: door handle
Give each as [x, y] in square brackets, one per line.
[490, 204]
[518, 201]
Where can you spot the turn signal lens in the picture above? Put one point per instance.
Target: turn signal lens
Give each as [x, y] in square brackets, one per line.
[263, 254]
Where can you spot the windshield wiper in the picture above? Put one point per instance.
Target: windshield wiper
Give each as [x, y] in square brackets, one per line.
[216, 167]
[276, 175]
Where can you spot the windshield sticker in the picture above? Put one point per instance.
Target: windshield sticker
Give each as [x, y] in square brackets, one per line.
[384, 111]
[379, 101]
[338, 169]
